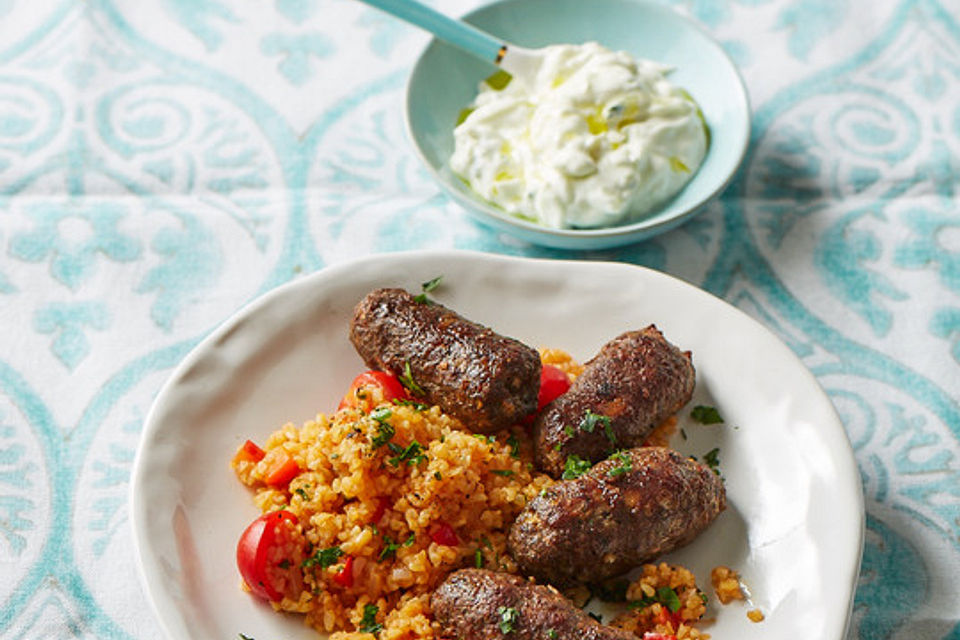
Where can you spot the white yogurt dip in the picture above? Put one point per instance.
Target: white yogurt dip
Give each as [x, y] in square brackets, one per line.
[596, 139]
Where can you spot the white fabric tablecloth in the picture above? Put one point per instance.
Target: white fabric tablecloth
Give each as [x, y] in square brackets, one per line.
[162, 162]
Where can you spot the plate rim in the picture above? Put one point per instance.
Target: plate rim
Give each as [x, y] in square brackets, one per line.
[141, 547]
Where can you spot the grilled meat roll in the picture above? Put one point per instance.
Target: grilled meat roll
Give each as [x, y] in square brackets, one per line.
[486, 380]
[634, 383]
[627, 510]
[478, 604]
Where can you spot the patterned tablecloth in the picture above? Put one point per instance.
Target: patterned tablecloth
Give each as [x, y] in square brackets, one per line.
[162, 162]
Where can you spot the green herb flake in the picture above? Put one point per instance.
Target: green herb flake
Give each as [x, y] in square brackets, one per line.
[506, 473]
[300, 491]
[508, 619]
[574, 467]
[668, 598]
[413, 404]
[437, 475]
[385, 432]
[412, 454]
[625, 466]
[426, 288]
[552, 634]
[590, 421]
[369, 624]
[381, 414]
[323, 558]
[240, 636]
[409, 383]
[514, 445]
[608, 431]
[712, 459]
[706, 415]
[478, 559]
[568, 430]
[390, 547]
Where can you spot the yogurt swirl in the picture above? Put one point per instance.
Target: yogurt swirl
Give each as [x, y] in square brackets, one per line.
[597, 138]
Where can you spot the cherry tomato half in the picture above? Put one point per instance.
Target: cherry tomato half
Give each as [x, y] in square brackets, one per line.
[257, 553]
[368, 382]
[554, 382]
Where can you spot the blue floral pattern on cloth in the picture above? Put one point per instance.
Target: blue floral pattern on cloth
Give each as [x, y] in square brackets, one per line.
[163, 162]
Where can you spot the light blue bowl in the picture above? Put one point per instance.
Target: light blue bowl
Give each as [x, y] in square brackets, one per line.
[445, 80]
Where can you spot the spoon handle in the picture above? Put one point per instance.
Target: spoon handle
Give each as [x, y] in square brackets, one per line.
[459, 34]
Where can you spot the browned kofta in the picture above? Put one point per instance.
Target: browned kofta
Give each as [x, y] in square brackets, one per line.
[478, 604]
[634, 383]
[486, 380]
[636, 505]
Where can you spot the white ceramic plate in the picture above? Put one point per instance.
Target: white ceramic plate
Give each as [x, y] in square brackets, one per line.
[793, 528]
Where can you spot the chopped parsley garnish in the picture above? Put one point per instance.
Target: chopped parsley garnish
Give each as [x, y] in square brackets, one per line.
[243, 637]
[385, 430]
[426, 288]
[483, 438]
[407, 381]
[300, 491]
[369, 624]
[706, 415]
[381, 415]
[664, 595]
[574, 467]
[567, 429]
[323, 558]
[552, 634]
[413, 404]
[668, 598]
[437, 475]
[478, 559]
[591, 420]
[412, 454]
[506, 473]
[712, 459]
[390, 547]
[626, 464]
[514, 445]
[508, 619]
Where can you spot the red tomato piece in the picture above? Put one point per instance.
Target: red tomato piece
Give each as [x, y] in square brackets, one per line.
[344, 577]
[257, 547]
[554, 382]
[650, 635]
[445, 535]
[250, 451]
[281, 468]
[369, 381]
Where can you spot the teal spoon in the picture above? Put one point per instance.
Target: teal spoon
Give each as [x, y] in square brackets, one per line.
[519, 62]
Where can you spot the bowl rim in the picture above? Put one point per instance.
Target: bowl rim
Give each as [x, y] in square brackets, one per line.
[486, 212]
